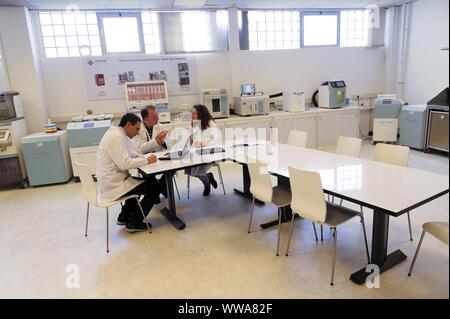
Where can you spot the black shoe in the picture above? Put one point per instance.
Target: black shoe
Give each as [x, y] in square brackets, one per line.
[207, 190]
[123, 219]
[156, 200]
[212, 180]
[133, 228]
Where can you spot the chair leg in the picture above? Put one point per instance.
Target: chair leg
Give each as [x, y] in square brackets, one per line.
[107, 229]
[143, 215]
[188, 184]
[321, 233]
[365, 238]
[290, 233]
[315, 232]
[251, 214]
[279, 230]
[340, 204]
[334, 255]
[417, 252]
[176, 186]
[87, 219]
[409, 224]
[221, 178]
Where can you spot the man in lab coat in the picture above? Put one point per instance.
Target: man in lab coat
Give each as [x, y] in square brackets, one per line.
[151, 138]
[116, 155]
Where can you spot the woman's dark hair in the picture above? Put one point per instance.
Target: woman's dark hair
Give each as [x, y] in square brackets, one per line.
[129, 117]
[203, 115]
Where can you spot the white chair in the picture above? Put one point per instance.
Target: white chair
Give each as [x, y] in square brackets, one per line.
[89, 191]
[438, 230]
[308, 202]
[262, 189]
[395, 155]
[220, 178]
[298, 138]
[350, 146]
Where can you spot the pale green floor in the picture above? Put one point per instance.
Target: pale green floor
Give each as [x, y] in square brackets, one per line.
[41, 233]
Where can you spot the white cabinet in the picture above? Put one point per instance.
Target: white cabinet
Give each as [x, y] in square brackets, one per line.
[328, 129]
[282, 127]
[349, 124]
[308, 124]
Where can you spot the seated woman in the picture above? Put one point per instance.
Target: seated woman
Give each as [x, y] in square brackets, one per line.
[204, 133]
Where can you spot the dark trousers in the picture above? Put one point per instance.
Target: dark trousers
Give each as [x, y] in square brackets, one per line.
[150, 189]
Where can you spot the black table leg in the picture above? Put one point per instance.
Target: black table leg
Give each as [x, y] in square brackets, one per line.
[246, 186]
[171, 212]
[379, 249]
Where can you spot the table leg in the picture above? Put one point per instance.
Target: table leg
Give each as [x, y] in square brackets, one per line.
[379, 256]
[171, 212]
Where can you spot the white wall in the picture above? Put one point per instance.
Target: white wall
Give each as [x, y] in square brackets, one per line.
[4, 83]
[22, 63]
[427, 68]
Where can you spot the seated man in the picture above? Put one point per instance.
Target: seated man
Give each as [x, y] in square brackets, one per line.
[115, 157]
[151, 138]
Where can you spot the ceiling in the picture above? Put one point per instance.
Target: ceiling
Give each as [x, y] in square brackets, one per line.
[196, 4]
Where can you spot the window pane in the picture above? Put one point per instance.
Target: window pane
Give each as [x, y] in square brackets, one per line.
[320, 30]
[47, 30]
[70, 29]
[80, 18]
[93, 29]
[49, 42]
[82, 29]
[96, 51]
[84, 51]
[74, 51]
[72, 41]
[57, 18]
[60, 42]
[62, 52]
[121, 34]
[83, 41]
[94, 40]
[69, 18]
[59, 30]
[51, 53]
[91, 18]
[45, 18]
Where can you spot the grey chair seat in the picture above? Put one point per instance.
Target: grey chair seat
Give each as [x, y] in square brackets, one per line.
[337, 215]
[281, 196]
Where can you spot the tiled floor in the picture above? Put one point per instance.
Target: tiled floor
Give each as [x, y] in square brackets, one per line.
[42, 248]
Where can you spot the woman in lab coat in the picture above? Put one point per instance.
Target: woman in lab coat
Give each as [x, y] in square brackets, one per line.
[116, 155]
[204, 133]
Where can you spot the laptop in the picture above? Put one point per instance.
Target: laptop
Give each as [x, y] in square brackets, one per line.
[178, 154]
[210, 150]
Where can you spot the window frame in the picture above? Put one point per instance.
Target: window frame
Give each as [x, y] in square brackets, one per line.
[334, 12]
[120, 14]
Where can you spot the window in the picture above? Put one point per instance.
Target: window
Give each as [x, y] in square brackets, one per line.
[121, 32]
[272, 30]
[194, 31]
[320, 28]
[150, 29]
[354, 28]
[70, 34]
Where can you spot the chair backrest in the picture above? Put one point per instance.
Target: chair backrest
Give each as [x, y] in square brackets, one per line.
[260, 184]
[307, 195]
[89, 188]
[391, 154]
[298, 138]
[350, 146]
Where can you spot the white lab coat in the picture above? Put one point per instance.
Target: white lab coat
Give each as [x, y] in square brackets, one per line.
[142, 142]
[209, 137]
[115, 157]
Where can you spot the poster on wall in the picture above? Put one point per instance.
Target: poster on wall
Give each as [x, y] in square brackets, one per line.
[105, 76]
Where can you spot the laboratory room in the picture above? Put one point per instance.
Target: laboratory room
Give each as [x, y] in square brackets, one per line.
[224, 149]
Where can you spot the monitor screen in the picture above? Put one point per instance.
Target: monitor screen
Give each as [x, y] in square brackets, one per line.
[248, 89]
[88, 125]
[215, 105]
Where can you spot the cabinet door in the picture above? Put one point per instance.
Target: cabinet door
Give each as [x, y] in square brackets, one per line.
[260, 128]
[328, 129]
[308, 124]
[282, 128]
[349, 124]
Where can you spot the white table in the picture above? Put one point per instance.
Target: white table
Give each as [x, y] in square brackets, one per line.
[388, 189]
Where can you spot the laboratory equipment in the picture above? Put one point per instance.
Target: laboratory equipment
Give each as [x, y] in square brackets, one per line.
[248, 89]
[216, 101]
[247, 105]
[412, 126]
[10, 105]
[332, 94]
[141, 94]
[47, 158]
[12, 165]
[437, 133]
[293, 101]
[385, 118]
[83, 139]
